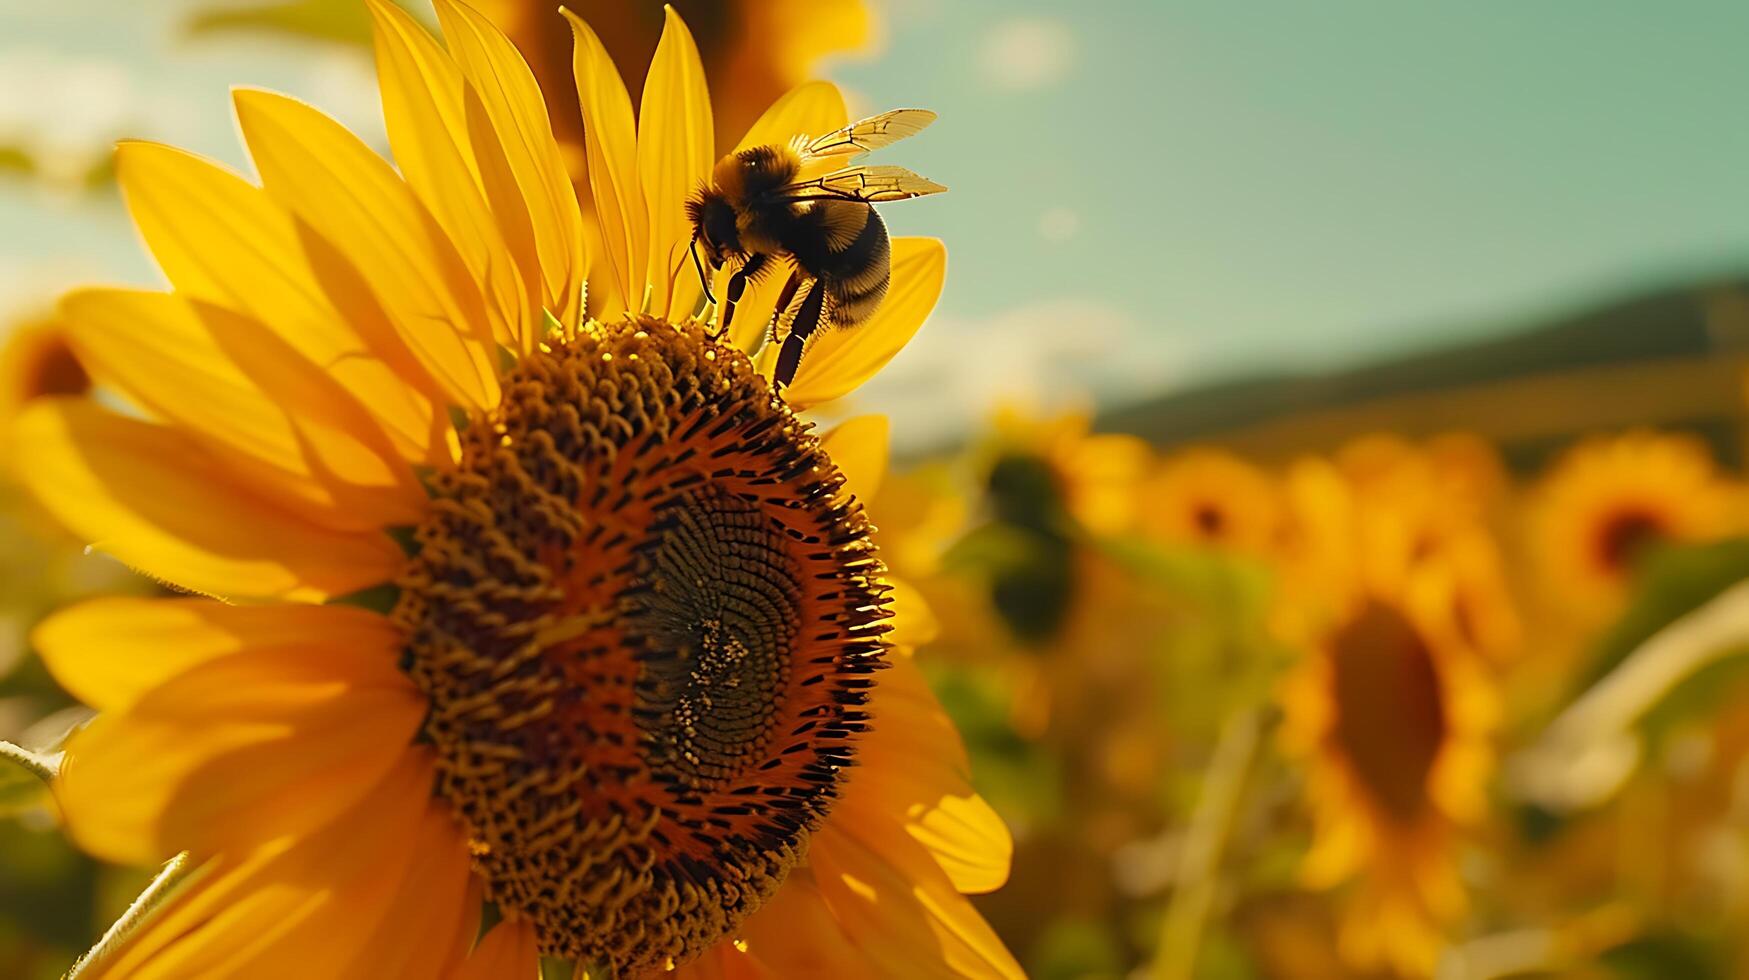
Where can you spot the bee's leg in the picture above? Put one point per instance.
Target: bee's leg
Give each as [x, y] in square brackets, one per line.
[738, 286]
[784, 299]
[807, 321]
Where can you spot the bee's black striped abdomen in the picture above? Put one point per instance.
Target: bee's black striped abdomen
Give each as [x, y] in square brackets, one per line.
[845, 246]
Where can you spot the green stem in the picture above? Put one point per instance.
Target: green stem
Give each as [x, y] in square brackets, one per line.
[137, 913]
[41, 766]
[1204, 843]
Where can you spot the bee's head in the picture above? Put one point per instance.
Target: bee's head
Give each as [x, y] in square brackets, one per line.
[713, 226]
[713, 232]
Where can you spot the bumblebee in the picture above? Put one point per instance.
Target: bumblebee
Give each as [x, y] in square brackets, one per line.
[797, 204]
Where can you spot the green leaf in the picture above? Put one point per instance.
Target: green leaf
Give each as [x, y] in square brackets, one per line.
[1702, 694]
[1672, 583]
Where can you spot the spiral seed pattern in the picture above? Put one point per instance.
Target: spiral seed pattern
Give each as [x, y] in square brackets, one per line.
[647, 618]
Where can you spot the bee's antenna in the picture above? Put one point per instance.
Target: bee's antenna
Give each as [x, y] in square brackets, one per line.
[703, 280]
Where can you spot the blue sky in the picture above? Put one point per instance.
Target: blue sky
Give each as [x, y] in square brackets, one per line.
[1149, 194]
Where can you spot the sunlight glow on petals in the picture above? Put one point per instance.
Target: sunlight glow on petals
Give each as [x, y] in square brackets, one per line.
[610, 140]
[422, 93]
[149, 496]
[676, 148]
[322, 905]
[221, 239]
[290, 430]
[838, 361]
[107, 652]
[355, 200]
[238, 751]
[812, 109]
[511, 103]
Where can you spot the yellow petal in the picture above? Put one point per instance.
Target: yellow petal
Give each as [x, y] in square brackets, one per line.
[911, 775]
[508, 952]
[428, 130]
[727, 961]
[220, 239]
[324, 175]
[238, 751]
[675, 152]
[151, 497]
[914, 623]
[796, 934]
[317, 906]
[837, 361]
[436, 911]
[810, 109]
[899, 910]
[610, 142]
[859, 447]
[108, 652]
[509, 113]
[287, 428]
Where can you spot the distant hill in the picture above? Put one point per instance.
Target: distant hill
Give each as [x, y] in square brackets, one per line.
[1674, 358]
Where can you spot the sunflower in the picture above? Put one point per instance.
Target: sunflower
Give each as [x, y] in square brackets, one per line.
[1610, 499]
[572, 621]
[1438, 502]
[1213, 498]
[1390, 713]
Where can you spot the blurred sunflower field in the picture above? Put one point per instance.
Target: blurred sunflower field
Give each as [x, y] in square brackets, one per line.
[1174, 604]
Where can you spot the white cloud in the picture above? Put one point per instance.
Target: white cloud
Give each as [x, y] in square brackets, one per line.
[64, 110]
[958, 369]
[1024, 54]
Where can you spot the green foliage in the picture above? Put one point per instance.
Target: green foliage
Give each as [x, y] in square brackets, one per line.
[1672, 583]
[1218, 653]
[1015, 775]
[1702, 694]
[20, 790]
[47, 895]
[341, 21]
[1076, 949]
[1664, 955]
[1030, 575]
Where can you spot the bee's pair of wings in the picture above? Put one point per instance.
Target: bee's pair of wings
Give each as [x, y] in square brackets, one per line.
[873, 184]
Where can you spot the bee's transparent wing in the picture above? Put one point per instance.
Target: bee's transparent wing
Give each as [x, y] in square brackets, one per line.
[871, 184]
[869, 134]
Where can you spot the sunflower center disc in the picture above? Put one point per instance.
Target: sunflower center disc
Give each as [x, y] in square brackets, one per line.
[646, 617]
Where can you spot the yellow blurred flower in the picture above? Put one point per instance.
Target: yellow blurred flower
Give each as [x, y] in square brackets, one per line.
[1095, 476]
[568, 615]
[1429, 503]
[1610, 498]
[37, 361]
[1391, 713]
[1462, 466]
[1211, 497]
